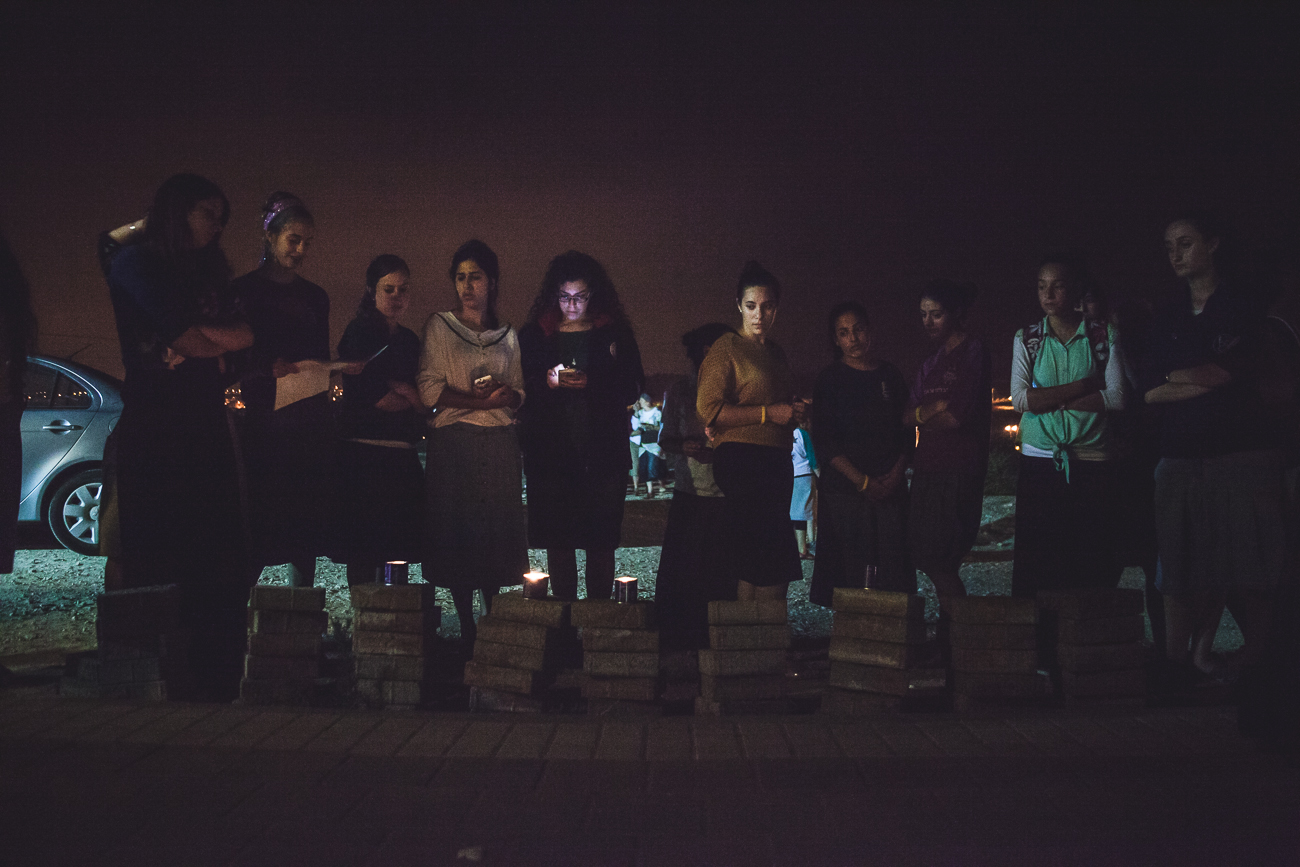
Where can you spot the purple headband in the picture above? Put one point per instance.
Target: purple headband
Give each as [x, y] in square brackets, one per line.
[275, 209]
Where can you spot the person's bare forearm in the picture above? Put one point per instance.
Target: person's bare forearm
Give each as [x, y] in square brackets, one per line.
[1041, 400]
[1173, 392]
[231, 338]
[1205, 375]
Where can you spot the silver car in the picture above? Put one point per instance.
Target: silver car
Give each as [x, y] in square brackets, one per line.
[70, 411]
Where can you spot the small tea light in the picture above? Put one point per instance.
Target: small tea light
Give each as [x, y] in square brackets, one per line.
[395, 572]
[869, 576]
[535, 584]
[625, 589]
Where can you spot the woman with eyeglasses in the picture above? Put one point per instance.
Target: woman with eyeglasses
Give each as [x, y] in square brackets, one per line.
[582, 370]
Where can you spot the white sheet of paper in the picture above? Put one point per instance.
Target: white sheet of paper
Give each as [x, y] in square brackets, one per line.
[312, 378]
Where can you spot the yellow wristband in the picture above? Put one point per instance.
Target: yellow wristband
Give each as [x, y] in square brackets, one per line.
[918, 416]
[866, 480]
[763, 419]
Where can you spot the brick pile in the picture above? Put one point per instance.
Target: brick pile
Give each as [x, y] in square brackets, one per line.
[394, 633]
[620, 656]
[880, 656]
[1098, 637]
[285, 625]
[141, 648]
[744, 668]
[993, 642]
[521, 647]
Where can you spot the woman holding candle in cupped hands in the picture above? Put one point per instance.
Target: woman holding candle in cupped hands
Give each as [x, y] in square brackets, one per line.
[470, 371]
[951, 403]
[582, 368]
[746, 395]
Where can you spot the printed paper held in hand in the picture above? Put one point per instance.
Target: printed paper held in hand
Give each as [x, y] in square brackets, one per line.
[312, 378]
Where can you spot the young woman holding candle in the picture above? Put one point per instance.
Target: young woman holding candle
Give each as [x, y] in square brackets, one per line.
[746, 395]
[470, 370]
[1219, 495]
[381, 482]
[177, 483]
[291, 451]
[864, 447]
[582, 370]
[951, 404]
[1067, 373]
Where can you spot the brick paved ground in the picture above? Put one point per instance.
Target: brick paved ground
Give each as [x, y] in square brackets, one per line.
[169, 783]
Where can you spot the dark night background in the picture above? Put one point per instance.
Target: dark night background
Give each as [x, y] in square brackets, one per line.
[857, 150]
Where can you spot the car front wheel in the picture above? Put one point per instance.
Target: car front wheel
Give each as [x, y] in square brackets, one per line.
[74, 512]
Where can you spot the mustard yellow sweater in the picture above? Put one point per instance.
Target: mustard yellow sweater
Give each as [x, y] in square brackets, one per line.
[741, 372]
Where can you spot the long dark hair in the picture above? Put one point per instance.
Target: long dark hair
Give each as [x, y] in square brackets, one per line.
[604, 306]
[379, 268]
[279, 210]
[839, 310]
[955, 298]
[481, 255]
[204, 272]
[754, 274]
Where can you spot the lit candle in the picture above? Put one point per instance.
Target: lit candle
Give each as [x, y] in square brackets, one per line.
[396, 572]
[625, 589]
[535, 585]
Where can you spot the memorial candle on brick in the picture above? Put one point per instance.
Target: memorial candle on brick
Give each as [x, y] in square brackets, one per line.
[535, 585]
[625, 589]
[396, 572]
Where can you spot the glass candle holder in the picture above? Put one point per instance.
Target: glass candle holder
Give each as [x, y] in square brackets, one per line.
[394, 572]
[625, 589]
[869, 576]
[535, 585]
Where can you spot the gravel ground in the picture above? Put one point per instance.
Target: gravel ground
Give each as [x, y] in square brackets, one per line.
[47, 606]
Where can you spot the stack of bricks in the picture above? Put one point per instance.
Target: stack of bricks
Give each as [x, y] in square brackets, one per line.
[620, 656]
[744, 669]
[141, 648]
[1098, 636]
[994, 650]
[521, 646]
[285, 625]
[879, 654]
[394, 632]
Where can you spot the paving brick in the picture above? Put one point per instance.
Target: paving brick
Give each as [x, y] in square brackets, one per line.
[990, 609]
[878, 653]
[180, 718]
[485, 700]
[573, 740]
[281, 667]
[881, 603]
[394, 643]
[347, 730]
[741, 707]
[138, 611]
[668, 740]
[607, 614]
[1092, 603]
[305, 622]
[1002, 685]
[606, 709]
[763, 740]
[769, 636]
[715, 740]
[750, 611]
[380, 693]
[172, 646]
[621, 742]
[278, 691]
[1101, 657]
[514, 656]
[395, 597]
[526, 740]
[284, 644]
[871, 627]
[524, 634]
[120, 671]
[621, 688]
[425, 620]
[209, 728]
[857, 740]
[724, 663]
[620, 640]
[742, 687]
[852, 702]
[878, 679]
[433, 740]
[993, 636]
[1102, 630]
[639, 665]
[390, 667]
[543, 612]
[1123, 682]
[996, 661]
[255, 730]
[495, 677]
[278, 598]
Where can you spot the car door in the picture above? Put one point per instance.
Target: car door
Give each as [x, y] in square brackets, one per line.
[59, 408]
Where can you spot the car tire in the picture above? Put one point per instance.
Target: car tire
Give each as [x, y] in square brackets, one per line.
[74, 512]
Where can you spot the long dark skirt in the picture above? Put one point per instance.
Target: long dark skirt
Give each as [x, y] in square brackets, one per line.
[292, 459]
[381, 504]
[475, 536]
[854, 532]
[758, 536]
[1065, 531]
[693, 570]
[944, 518]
